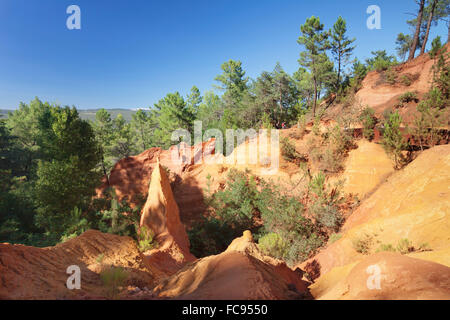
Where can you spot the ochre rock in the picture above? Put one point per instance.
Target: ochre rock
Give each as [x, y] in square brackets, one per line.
[239, 273]
[40, 273]
[399, 278]
[413, 204]
[161, 215]
[365, 169]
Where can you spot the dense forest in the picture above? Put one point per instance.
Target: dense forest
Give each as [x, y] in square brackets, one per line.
[51, 161]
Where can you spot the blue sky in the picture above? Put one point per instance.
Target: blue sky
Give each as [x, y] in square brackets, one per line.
[129, 54]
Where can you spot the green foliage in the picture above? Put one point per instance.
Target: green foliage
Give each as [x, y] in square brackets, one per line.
[330, 149]
[266, 121]
[369, 121]
[273, 245]
[142, 127]
[363, 244]
[117, 217]
[100, 258]
[74, 225]
[403, 43]
[341, 47]
[276, 95]
[315, 41]
[386, 248]
[404, 246]
[113, 278]
[334, 237]
[390, 75]
[145, 238]
[359, 72]
[408, 97]
[381, 61]
[436, 45]
[393, 141]
[210, 236]
[289, 152]
[239, 207]
[325, 207]
[172, 113]
[405, 80]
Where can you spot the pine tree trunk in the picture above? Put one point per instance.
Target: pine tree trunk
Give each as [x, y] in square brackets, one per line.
[415, 42]
[338, 85]
[430, 19]
[104, 170]
[315, 97]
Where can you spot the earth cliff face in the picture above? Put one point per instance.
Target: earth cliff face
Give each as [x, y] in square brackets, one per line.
[161, 216]
[412, 204]
[40, 273]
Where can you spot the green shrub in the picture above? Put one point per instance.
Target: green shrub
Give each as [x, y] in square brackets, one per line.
[273, 245]
[330, 149]
[369, 121]
[380, 61]
[424, 247]
[393, 141]
[301, 123]
[145, 239]
[386, 248]
[302, 249]
[288, 151]
[242, 205]
[210, 236]
[334, 237]
[100, 258]
[75, 225]
[330, 161]
[237, 204]
[327, 215]
[436, 45]
[113, 278]
[363, 244]
[405, 246]
[405, 80]
[325, 208]
[408, 97]
[233, 210]
[391, 76]
[266, 121]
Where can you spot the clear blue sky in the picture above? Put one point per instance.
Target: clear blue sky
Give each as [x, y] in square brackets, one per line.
[129, 54]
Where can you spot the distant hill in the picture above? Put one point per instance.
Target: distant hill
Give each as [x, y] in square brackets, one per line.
[90, 114]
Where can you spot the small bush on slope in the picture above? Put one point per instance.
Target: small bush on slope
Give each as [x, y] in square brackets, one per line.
[329, 150]
[369, 121]
[363, 244]
[408, 97]
[288, 151]
[272, 244]
[145, 239]
[393, 141]
[113, 278]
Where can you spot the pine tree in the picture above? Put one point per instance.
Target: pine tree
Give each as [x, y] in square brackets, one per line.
[415, 41]
[142, 127]
[315, 41]
[341, 48]
[172, 114]
[103, 130]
